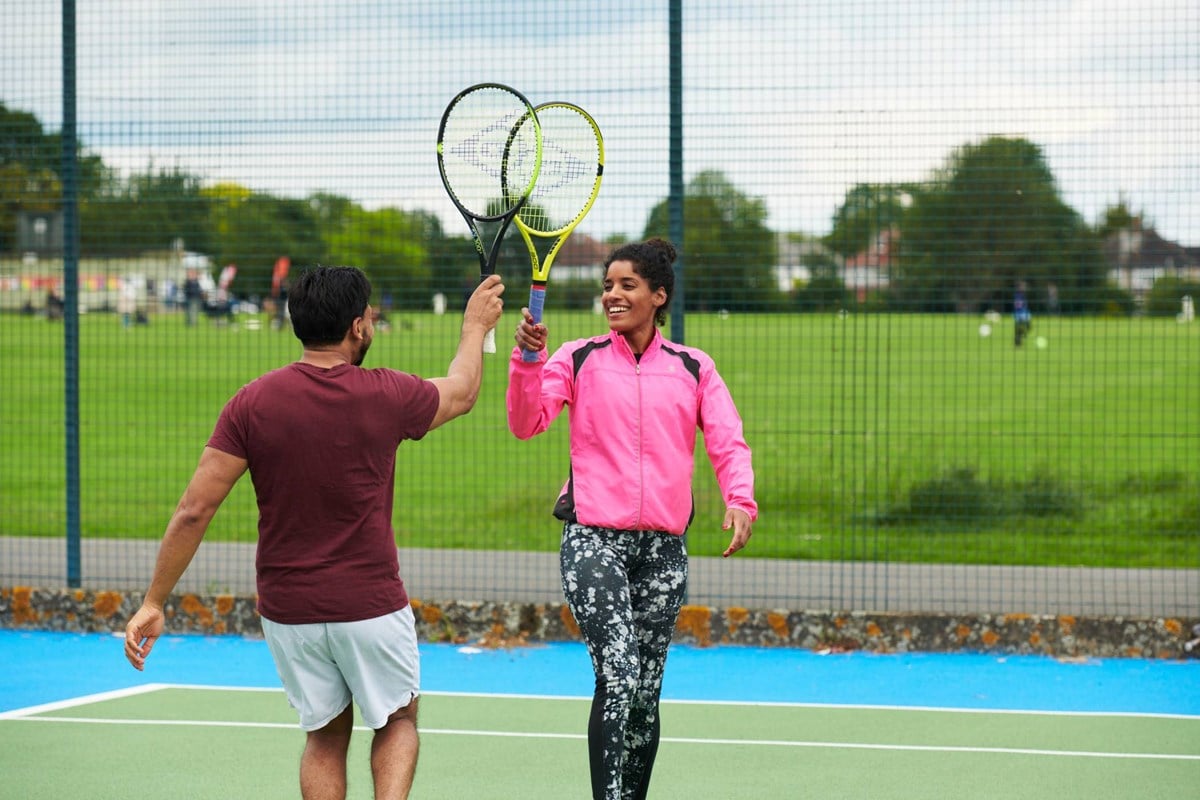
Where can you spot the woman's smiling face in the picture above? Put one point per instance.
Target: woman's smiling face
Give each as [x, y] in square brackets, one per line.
[628, 302]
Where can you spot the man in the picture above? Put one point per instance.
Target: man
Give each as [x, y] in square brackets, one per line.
[319, 438]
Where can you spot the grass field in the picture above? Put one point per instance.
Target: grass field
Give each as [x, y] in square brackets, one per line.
[875, 437]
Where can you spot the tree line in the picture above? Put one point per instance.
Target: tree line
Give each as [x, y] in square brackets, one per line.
[989, 218]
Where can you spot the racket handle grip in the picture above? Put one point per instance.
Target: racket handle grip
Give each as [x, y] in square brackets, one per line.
[537, 304]
[489, 338]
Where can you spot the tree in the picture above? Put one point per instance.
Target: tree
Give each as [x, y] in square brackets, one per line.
[990, 218]
[24, 141]
[149, 211]
[867, 209]
[825, 290]
[1166, 296]
[1115, 219]
[254, 230]
[453, 265]
[728, 251]
[25, 188]
[29, 163]
[30, 170]
[389, 246]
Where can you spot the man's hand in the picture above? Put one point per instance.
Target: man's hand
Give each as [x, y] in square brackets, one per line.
[485, 306]
[141, 633]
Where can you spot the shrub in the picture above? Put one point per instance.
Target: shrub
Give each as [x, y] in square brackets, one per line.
[1046, 496]
[1166, 295]
[958, 496]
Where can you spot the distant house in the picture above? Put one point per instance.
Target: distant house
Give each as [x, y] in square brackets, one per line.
[39, 233]
[868, 270]
[581, 258]
[1137, 257]
[795, 258]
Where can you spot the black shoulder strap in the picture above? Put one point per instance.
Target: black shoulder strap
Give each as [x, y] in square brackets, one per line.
[689, 363]
[577, 358]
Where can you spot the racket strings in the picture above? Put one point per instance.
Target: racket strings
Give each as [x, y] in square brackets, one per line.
[484, 149]
[570, 168]
[489, 158]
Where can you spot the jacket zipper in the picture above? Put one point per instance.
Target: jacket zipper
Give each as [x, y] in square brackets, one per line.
[637, 370]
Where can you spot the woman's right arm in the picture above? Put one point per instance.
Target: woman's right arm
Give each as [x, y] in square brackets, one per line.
[537, 390]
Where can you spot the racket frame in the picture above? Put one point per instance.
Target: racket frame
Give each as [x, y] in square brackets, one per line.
[541, 267]
[488, 253]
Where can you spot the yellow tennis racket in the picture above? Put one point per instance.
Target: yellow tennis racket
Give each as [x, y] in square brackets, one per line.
[567, 185]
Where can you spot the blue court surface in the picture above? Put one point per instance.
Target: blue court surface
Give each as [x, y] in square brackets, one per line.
[47, 667]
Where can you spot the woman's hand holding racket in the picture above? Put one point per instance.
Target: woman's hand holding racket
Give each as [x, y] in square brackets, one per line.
[531, 335]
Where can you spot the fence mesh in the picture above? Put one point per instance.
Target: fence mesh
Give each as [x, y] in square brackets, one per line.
[872, 193]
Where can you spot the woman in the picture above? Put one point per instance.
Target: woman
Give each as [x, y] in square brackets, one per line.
[636, 402]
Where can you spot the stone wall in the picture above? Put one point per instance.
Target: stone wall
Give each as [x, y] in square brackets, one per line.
[494, 624]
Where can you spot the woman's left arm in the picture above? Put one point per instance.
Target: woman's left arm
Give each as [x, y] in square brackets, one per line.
[730, 456]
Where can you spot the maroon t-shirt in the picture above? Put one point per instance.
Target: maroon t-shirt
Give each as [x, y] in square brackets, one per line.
[321, 447]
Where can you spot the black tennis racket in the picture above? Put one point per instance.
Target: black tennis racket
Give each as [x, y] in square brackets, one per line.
[567, 186]
[489, 152]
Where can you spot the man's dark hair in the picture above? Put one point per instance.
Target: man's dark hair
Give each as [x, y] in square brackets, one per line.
[324, 301]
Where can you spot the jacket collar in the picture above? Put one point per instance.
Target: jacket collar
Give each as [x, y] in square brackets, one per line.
[624, 348]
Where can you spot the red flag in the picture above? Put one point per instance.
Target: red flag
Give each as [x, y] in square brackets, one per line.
[282, 265]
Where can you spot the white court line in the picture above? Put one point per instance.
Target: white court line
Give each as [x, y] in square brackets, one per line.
[116, 694]
[942, 709]
[1022, 751]
[83, 700]
[762, 704]
[842, 706]
[86, 699]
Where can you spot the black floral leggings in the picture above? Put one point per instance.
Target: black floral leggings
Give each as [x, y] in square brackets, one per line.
[624, 589]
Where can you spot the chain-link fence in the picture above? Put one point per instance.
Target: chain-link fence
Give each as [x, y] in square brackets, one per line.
[946, 255]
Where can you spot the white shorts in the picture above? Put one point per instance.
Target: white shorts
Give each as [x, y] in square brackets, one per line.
[324, 666]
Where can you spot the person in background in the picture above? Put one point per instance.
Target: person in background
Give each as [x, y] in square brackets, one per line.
[126, 301]
[193, 297]
[319, 439]
[280, 318]
[54, 305]
[636, 402]
[1022, 318]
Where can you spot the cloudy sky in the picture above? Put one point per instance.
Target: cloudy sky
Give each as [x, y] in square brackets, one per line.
[794, 100]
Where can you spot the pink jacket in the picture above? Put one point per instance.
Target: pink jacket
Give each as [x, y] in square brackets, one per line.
[633, 430]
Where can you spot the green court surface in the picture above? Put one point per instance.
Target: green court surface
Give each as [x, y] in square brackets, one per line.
[164, 741]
